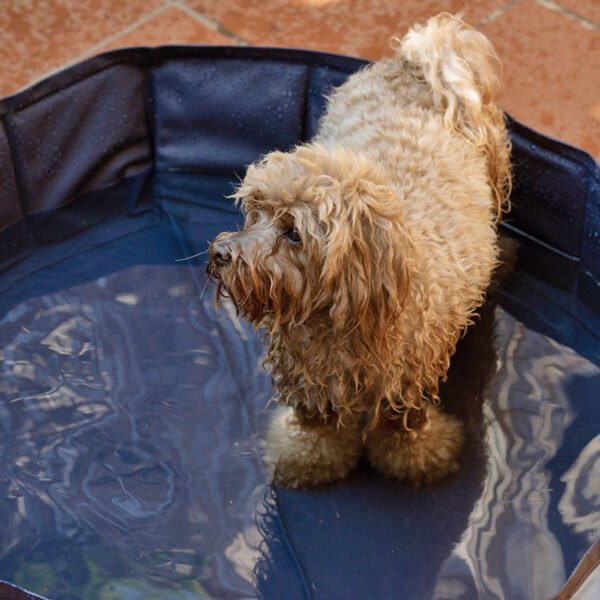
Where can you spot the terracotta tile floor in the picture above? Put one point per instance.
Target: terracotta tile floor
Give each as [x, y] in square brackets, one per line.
[550, 48]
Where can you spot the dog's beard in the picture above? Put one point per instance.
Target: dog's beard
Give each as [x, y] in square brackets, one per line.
[242, 287]
[261, 297]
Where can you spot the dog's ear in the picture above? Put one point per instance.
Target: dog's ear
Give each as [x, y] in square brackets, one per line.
[366, 270]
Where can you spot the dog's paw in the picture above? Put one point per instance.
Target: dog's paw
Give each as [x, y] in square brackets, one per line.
[300, 456]
[422, 456]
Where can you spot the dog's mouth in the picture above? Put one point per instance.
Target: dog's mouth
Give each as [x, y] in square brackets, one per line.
[213, 272]
[232, 285]
[214, 275]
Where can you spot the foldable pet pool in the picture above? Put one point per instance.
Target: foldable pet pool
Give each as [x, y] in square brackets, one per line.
[131, 411]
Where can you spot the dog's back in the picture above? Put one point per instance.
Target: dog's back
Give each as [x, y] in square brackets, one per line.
[427, 117]
[444, 73]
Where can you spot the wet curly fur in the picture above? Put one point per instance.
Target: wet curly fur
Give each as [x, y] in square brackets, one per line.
[365, 254]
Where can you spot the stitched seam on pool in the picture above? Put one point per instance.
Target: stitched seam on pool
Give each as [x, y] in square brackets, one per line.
[260, 466]
[71, 254]
[515, 298]
[537, 240]
[23, 204]
[306, 111]
[592, 188]
[151, 120]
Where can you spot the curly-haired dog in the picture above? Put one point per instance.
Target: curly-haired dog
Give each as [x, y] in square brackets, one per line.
[365, 254]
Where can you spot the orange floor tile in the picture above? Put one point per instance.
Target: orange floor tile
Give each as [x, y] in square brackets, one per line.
[174, 25]
[357, 27]
[550, 48]
[551, 72]
[39, 36]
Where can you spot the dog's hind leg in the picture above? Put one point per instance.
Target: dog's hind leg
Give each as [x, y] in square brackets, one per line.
[301, 452]
[423, 454]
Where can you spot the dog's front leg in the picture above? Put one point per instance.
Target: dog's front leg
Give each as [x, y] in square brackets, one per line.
[422, 451]
[303, 451]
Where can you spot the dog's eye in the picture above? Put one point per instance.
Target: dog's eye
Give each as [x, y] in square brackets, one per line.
[293, 235]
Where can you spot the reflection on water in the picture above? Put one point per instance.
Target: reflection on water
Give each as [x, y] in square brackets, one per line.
[508, 549]
[580, 503]
[130, 418]
[115, 476]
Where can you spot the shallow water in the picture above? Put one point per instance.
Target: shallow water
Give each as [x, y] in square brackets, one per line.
[131, 414]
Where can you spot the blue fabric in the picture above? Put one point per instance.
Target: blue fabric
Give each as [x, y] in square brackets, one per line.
[131, 411]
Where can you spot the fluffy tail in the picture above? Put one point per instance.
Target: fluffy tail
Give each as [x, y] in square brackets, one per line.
[461, 68]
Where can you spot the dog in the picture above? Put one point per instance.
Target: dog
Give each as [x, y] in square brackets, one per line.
[365, 254]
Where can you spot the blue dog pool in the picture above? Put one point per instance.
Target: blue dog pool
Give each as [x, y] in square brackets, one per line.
[131, 411]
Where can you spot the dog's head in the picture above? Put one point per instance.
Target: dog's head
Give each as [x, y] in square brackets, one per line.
[324, 238]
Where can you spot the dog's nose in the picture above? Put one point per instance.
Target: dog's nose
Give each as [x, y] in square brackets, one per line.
[219, 253]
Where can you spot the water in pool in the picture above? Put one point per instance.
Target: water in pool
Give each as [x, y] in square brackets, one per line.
[131, 414]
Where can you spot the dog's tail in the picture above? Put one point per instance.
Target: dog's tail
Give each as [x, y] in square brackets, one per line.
[462, 70]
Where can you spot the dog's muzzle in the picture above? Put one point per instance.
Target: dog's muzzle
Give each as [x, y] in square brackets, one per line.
[219, 257]
[219, 253]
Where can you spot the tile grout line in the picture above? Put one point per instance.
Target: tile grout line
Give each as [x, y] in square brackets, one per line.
[496, 13]
[210, 23]
[94, 49]
[129, 28]
[556, 7]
